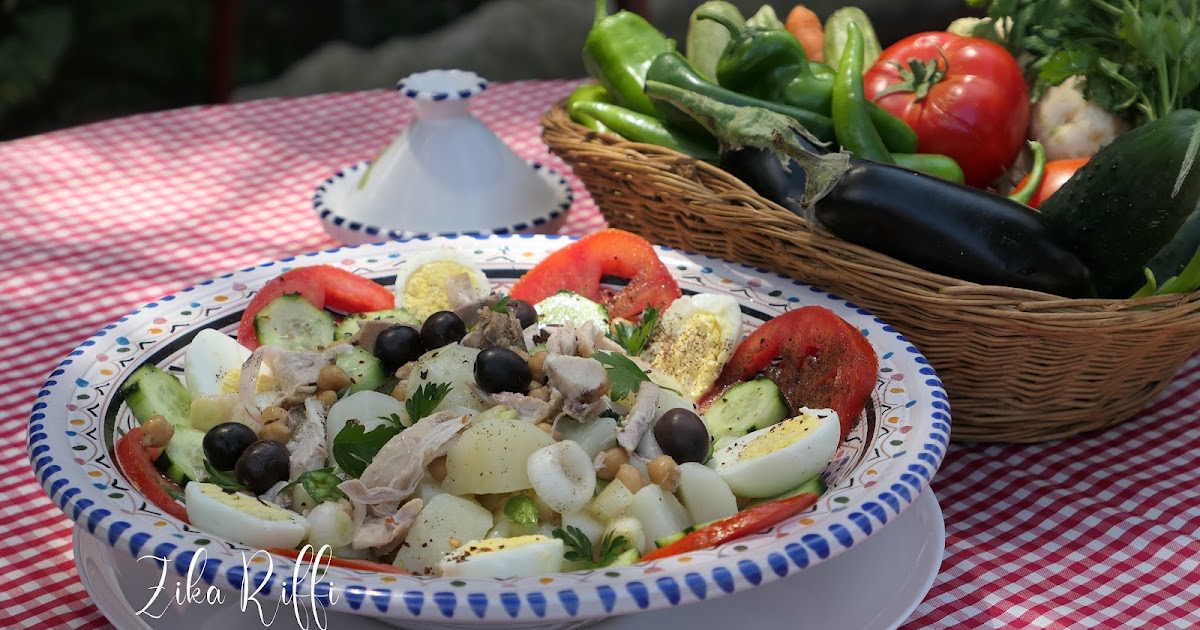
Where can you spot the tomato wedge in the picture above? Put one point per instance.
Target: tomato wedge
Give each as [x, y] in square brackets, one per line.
[137, 461]
[580, 267]
[323, 286]
[824, 363]
[346, 563]
[742, 524]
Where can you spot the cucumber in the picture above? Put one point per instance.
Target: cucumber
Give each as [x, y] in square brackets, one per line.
[815, 485]
[1174, 256]
[364, 369]
[745, 407]
[150, 390]
[293, 323]
[1129, 200]
[348, 326]
[836, 28]
[668, 539]
[183, 458]
[626, 558]
[566, 307]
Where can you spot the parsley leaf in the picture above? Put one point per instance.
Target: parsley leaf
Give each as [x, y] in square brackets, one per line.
[320, 484]
[425, 400]
[579, 547]
[521, 510]
[633, 337]
[355, 447]
[501, 306]
[221, 480]
[623, 374]
[394, 419]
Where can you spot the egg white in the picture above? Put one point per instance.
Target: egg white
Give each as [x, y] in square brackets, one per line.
[780, 457]
[212, 363]
[243, 518]
[695, 337]
[421, 281]
[505, 558]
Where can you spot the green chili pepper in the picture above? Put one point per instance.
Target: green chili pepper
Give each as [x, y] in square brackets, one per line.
[1036, 175]
[588, 92]
[851, 122]
[617, 52]
[706, 40]
[771, 65]
[942, 166]
[672, 69]
[639, 127]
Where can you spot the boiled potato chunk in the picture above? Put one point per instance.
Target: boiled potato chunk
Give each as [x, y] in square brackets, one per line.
[490, 457]
[444, 517]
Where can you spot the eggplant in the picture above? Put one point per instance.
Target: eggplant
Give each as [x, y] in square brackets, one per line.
[927, 222]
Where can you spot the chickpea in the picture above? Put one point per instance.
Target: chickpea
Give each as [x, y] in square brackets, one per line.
[272, 413]
[437, 469]
[614, 458]
[157, 431]
[400, 391]
[541, 392]
[405, 370]
[333, 377]
[276, 431]
[327, 396]
[537, 365]
[631, 477]
[664, 472]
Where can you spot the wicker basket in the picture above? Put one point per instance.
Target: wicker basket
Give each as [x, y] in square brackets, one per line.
[1019, 365]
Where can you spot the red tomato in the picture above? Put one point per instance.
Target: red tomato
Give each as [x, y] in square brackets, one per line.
[824, 363]
[964, 96]
[581, 265]
[137, 462]
[755, 519]
[323, 286]
[348, 563]
[1057, 174]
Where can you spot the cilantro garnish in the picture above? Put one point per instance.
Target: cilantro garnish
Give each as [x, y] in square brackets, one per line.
[633, 337]
[425, 400]
[521, 510]
[354, 447]
[623, 374]
[320, 484]
[221, 480]
[579, 547]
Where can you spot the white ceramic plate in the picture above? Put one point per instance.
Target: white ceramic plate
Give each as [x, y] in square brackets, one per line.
[896, 568]
[887, 460]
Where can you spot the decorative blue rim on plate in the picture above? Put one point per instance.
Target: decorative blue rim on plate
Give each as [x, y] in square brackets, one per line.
[352, 232]
[883, 466]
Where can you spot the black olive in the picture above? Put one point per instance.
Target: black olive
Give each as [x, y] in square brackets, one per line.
[442, 328]
[398, 345]
[225, 443]
[502, 370]
[262, 465]
[524, 312]
[682, 435]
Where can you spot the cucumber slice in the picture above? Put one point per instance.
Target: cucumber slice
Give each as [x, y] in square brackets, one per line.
[746, 407]
[566, 307]
[183, 458]
[815, 485]
[348, 326]
[627, 557]
[364, 369]
[293, 323]
[151, 390]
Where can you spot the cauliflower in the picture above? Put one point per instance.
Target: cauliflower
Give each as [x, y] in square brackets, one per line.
[1068, 126]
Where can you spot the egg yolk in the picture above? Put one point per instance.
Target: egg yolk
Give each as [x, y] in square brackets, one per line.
[425, 290]
[778, 437]
[691, 356]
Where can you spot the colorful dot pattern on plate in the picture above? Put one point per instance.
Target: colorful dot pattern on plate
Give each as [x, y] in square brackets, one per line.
[885, 463]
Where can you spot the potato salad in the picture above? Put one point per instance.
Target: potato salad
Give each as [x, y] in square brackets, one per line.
[449, 426]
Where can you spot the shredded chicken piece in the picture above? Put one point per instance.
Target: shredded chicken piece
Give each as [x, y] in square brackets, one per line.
[581, 382]
[563, 340]
[385, 533]
[640, 416]
[394, 473]
[368, 331]
[294, 374]
[473, 310]
[308, 448]
[275, 495]
[460, 291]
[496, 330]
[528, 408]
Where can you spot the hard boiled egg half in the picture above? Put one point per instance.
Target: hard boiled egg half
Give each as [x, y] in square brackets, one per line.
[425, 282]
[243, 518]
[777, 458]
[213, 363]
[696, 335]
[503, 558]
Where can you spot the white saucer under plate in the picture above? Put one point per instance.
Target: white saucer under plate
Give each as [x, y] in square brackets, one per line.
[891, 573]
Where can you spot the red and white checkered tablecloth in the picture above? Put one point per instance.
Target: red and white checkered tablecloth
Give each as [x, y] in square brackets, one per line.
[1098, 531]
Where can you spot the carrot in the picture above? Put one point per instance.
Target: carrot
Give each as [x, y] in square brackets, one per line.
[806, 26]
